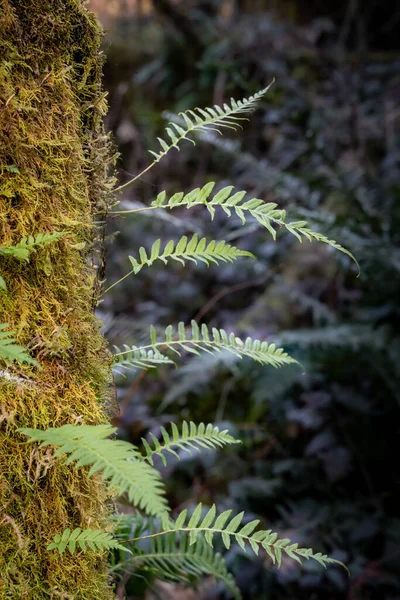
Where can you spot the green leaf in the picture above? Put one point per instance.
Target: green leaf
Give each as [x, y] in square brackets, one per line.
[268, 540]
[193, 250]
[96, 539]
[24, 248]
[10, 351]
[266, 214]
[191, 437]
[210, 118]
[215, 341]
[118, 462]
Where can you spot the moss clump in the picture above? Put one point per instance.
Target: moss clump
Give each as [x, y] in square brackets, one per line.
[51, 107]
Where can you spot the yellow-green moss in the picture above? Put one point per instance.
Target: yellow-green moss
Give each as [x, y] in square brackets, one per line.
[51, 107]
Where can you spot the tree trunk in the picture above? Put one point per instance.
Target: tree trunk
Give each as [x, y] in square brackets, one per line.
[51, 107]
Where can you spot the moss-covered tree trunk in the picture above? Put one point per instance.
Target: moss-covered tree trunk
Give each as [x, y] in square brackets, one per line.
[51, 107]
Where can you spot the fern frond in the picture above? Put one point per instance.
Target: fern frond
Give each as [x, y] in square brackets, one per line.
[10, 351]
[172, 560]
[214, 341]
[267, 214]
[213, 118]
[190, 437]
[96, 539]
[118, 462]
[30, 244]
[193, 249]
[228, 528]
[136, 358]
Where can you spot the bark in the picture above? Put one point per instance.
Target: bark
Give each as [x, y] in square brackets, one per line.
[51, 108]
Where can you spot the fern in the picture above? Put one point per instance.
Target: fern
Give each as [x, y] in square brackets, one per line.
[267, 214]
[172, 561]
[95, 539]
[212, 524]
[185, 249]
[191, 436]
[217, 340]
[207, 119]
[10, 351]
[27, 245]
[139, 359]
[118, 462]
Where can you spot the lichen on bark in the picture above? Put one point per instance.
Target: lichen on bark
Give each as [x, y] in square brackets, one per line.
[51, 132]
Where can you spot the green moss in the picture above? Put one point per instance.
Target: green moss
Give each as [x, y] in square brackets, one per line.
[51, 108]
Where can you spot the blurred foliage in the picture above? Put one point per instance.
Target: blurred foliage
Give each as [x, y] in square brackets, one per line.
[318, 463]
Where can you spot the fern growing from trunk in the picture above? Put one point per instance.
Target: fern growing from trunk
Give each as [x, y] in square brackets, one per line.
[84, 455]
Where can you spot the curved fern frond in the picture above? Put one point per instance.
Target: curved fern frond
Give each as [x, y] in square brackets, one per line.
[10, 351]
[213, 118]
[228, 528]
[193, 249]
[118, 462]
[189, 438]
[214, 341]
[96, 539]
[172, 560]
[267, 214]
[137, 358]
[27, 245]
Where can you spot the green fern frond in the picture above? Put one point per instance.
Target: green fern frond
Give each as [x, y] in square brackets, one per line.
[119, 462]
[10, 351]
[214, 341]
[267, 214]
[172, 560]
[228, 528]
[96, 539]
[136, 358]
[190, 437]
[193, 249]
[27, 245]
[213, 118]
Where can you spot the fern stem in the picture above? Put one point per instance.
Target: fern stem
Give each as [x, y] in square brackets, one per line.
[116, 283]
[133, 210]
[124, 185]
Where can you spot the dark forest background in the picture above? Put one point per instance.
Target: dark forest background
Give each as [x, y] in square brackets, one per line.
[319, 461]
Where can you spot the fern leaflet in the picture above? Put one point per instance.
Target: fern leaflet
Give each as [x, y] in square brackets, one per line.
[228, 529]
[118, 462]
[191, 436]
[96, 539]
[172, 561]
[267, 214]
[10, 351]
[185, 249]
[139, 359]
[217, 340]
[207, 119]
[27, 245]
